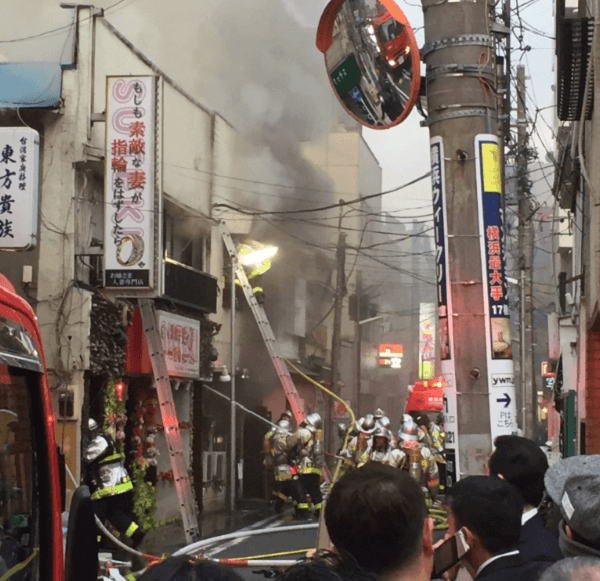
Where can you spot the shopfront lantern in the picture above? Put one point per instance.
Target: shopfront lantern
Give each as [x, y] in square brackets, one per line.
[119, 389]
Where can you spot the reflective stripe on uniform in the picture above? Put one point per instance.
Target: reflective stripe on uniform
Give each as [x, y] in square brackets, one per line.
[279, 495]
[310, 470]
[303, 505]
[112, 490]
[281, 477]
[318, 506]
[112, 458]
[131, 529]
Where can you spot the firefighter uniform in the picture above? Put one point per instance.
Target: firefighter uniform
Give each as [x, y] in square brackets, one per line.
[110, 485]
[438, 452]
[287, 483]
[380, 450]
[305, 447]
[359, 443]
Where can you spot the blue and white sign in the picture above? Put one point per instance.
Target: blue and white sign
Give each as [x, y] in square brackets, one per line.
[19, 187]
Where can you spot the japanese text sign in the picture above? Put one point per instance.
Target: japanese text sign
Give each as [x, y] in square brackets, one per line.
[439, 218]
[19, 187]
[181, 343]
[390, 355]
[130, 182]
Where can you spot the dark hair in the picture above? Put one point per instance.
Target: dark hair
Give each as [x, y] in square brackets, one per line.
[491, 508]
[573, 569]
[522, 463]
[376, 514]
[183, 569]
[327, 566]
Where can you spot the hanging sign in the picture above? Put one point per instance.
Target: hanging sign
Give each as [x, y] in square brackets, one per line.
[19, 187]
[132, 199]
[499, 346]
[391, 355]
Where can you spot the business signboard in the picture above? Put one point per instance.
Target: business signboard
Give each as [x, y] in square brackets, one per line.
[19, 187]
[132, 185]
[426, 340]
[181, 343]
[390, 355]
[492, 239]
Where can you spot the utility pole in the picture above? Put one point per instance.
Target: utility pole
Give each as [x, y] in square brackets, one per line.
[462, 110]
[526, 239]
[336, 342]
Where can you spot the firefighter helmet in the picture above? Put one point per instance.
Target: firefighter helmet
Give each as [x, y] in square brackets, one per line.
[384, 421]
[379, 413]
[92, 424]
[368, 425]
[409, 430]
[342, 430]
[284, 425]
[381, 432]
[314, 420]
[286, 414]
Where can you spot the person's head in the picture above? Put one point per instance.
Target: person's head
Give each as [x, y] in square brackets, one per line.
[521, 462]
[422, 420]
[183, 569]
[381, 438]
[93, 427]
[573, 569]
[574, 486]
[377, 515]
[313, 421]
[488, 510]
[286, 415]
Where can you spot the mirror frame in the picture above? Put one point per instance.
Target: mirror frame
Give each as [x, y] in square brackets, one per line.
[325, 39]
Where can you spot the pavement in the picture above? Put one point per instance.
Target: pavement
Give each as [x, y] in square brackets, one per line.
[168, 538]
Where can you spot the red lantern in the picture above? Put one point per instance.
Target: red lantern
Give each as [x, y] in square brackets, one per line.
[119, 388]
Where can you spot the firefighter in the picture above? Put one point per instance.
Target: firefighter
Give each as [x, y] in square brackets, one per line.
[381, 450]
[408, 441]
[439, 455]
[110, 485]
[360, 442]
[305, 447]
[268, 453]
[287, 483]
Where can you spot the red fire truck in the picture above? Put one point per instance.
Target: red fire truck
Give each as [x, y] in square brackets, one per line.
[392, 39]
[32, 483]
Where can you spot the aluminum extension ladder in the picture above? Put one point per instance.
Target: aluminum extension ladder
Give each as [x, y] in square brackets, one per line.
[296, 402]
[183, 485]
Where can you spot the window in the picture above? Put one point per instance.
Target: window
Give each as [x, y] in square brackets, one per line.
[184, 238]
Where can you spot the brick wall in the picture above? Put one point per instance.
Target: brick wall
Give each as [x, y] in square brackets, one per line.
[592, 393]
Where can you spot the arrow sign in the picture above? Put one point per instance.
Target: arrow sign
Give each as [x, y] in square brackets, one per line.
[506, 400]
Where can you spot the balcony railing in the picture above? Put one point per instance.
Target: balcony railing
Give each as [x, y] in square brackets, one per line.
[190, 287]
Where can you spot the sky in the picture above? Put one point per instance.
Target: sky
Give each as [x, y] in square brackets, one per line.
[255, 61]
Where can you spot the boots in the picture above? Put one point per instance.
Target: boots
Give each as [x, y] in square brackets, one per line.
[138, 536]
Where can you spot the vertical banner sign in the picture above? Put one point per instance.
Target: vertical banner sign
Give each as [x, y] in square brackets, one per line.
[130, 183]
[441, 257]
[426, 340]
[180, 338]
[19, 187]
[499, 347]
[444, 306]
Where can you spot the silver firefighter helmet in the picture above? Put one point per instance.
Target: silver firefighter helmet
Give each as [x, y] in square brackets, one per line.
[409, 430]
[284, 425]
[314, 420]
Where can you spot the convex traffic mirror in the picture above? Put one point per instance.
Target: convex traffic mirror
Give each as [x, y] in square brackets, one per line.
[372, 60]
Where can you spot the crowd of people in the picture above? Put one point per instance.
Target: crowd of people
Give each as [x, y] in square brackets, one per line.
[296, 458]
[522, 521]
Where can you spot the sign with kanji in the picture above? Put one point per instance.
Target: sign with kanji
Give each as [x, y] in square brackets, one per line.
[426, 340]
[19, 187]
[132, 198]
[441, 259]
[390, 355]
[181, 343]
[501, 389]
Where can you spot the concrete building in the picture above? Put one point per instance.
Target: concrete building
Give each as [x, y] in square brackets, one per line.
[574, 330]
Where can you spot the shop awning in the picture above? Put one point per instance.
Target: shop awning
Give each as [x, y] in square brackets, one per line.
[35, 85]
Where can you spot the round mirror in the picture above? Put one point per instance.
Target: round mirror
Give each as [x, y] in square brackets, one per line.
[372, 60]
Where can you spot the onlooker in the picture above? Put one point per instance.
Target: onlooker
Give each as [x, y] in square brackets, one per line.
[488, 510]
[183, 569]
[377, 520]
[574, 485]
[521, 462]
[573, 569]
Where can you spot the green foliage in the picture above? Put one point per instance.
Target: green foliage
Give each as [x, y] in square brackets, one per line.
[144, 505]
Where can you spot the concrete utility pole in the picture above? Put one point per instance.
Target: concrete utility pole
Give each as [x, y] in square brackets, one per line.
[473, 312]
[526, 239]
[336, 342]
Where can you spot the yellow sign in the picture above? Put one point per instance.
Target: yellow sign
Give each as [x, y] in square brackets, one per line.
[490, 162]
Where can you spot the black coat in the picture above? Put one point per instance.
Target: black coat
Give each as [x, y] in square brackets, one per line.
[537, 543]
[511, 568]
